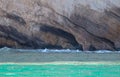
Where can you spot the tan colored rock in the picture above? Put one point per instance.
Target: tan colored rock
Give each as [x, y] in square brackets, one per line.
[74, 24]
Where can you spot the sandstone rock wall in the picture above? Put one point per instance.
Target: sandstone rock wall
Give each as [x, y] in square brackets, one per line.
[74, 24]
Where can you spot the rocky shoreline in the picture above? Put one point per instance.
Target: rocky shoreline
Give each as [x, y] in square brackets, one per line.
[60, 24]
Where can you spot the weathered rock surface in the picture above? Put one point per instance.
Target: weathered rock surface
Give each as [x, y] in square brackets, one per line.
[74, 24]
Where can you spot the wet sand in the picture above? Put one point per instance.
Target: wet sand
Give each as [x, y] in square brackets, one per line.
[14, 56]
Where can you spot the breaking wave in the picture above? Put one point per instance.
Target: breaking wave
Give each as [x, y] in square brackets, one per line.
[6, 49]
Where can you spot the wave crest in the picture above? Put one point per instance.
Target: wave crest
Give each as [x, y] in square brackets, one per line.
[6, 49]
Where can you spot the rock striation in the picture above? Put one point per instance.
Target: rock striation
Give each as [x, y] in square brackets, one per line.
[60, 24]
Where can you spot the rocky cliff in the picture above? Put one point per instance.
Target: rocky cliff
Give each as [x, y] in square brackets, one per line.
[57, 24]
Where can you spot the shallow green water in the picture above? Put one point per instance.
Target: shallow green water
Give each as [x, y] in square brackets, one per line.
[51, 70]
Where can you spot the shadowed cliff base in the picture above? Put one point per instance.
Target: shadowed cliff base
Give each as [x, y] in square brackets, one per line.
[59, 32]
[21, 40]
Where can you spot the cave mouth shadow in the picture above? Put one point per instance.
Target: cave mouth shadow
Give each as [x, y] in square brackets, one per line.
[61, 33]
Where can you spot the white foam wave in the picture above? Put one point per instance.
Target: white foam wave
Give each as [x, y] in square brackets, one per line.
[5, 49]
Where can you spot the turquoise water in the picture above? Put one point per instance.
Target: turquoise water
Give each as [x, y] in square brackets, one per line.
[52, 70]
[63, 69]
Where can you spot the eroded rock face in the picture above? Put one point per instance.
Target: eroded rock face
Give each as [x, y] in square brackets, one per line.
[58, 24]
